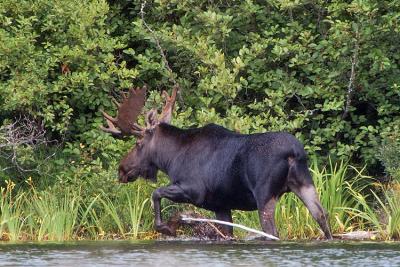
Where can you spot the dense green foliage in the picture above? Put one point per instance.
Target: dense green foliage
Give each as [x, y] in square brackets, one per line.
[390, 156]
[326, 71]
[250, 65]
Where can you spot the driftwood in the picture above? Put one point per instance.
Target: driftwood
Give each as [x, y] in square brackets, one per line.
[357, 235]
[230, 224]
[201, 230]
[204, 228]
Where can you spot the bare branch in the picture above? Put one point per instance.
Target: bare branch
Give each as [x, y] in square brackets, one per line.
[350, 86]
[161, 50]
[23, 133]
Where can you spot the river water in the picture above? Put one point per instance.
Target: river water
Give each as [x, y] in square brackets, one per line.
[196, 253]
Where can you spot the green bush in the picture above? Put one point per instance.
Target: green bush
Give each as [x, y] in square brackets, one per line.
[289, 70]
[389, 154]
[59, 62]
[325, 71]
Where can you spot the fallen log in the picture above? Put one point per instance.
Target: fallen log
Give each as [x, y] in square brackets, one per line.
[189, 219]
[358, 235]
[205, 228]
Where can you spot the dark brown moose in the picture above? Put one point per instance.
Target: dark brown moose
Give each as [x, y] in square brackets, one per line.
[212, 167]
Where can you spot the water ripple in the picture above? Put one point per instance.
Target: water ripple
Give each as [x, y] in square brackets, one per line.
[175, 253]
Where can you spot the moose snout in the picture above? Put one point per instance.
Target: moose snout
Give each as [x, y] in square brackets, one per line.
[123, 175]
[127, 175]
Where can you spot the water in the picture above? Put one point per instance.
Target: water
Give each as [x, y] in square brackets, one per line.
[191, 253]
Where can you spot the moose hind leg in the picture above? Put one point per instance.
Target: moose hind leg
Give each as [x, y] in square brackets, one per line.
[225, 215]
[266, 211]
[172, 192]
[309, 196]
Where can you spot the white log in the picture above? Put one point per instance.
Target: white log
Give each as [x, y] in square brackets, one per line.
[189, 219]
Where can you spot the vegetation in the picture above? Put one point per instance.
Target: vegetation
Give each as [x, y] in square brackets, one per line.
[70, 214]
[326, 71]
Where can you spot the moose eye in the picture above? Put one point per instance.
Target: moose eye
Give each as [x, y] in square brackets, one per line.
[149, 131]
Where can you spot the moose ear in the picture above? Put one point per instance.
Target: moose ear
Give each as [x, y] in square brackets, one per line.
[151, 118]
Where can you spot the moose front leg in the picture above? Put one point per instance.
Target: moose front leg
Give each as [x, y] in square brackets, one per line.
[172, 192]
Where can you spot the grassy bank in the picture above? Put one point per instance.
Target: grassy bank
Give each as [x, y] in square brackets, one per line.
[64, 212]
[70, 214]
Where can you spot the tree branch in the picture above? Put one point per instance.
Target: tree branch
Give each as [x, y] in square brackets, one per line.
[350, 86]
[161, 50]
[24, 132]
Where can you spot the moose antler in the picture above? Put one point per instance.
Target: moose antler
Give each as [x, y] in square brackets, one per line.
[130, 108]
[166, 114]
[128, 111]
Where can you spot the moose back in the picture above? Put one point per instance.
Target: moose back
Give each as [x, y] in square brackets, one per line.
[214, 168]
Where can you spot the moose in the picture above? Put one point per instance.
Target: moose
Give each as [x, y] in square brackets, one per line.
[212, 167]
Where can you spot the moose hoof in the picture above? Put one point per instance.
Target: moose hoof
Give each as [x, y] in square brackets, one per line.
[166, 230]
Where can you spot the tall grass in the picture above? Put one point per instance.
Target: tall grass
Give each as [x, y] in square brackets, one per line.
[54, 216]
[392, 212]
[336, 184]
[70, 215]
[136, 207]
[12, 215]
[124, 211]
[384, 216]
[127, 223]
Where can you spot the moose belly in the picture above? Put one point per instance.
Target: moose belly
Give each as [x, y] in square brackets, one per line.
[243, 200]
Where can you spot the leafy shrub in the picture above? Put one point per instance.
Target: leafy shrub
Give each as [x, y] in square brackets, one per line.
[325, 71]
[389, 154]
[58, 62]
[291, 70]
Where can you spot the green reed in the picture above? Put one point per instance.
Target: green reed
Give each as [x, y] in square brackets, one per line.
[384, 214]
[12, 215]
[69, 214]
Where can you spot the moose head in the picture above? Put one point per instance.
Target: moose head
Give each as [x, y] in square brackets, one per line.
[138, 161]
